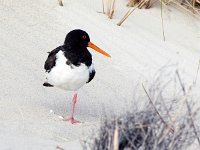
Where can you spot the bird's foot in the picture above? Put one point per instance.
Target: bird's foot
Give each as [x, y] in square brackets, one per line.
[72, 120]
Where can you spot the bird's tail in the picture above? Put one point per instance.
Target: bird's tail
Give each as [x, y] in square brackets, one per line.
[47, 84]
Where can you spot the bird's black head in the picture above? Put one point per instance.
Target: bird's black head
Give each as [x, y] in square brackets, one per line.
[77, 39]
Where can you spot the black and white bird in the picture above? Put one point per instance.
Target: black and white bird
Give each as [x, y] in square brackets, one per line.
[70, 66]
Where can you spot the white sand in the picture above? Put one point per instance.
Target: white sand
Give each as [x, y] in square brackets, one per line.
[29, 29]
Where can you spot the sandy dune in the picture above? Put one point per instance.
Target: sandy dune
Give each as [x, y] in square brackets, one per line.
[29, 29]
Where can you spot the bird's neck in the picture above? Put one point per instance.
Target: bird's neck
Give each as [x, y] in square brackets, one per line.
[76, 49]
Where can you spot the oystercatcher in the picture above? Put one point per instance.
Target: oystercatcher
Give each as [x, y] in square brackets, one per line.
[70, 66]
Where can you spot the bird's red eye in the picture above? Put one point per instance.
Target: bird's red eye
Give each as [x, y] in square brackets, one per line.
[84, 37]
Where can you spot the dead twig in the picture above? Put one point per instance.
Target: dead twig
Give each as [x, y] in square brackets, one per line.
[130, 12]
[111, 9]
[103, 7]
[116, 137]
[161, 14]
[195, 81]
[188, 106]
[171, 129]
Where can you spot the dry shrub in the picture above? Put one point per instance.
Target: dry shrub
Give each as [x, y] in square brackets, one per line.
[146, 3]
[166, 122]
[190, 4]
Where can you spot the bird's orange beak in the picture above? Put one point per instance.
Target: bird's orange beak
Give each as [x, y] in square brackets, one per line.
[90, 44]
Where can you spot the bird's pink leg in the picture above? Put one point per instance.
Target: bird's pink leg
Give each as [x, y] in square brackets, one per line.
[71, 119]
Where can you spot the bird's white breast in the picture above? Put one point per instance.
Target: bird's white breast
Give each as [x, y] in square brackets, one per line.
[68, 77]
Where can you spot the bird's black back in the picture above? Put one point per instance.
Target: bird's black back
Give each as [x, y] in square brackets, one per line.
[51, 59]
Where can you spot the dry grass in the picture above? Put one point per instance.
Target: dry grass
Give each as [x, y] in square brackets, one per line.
[60, 2]
[161, 14]
[166, 122]
[129, 12]
[195, 81]
[132, 3]
[110, 7]
[191, 6]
